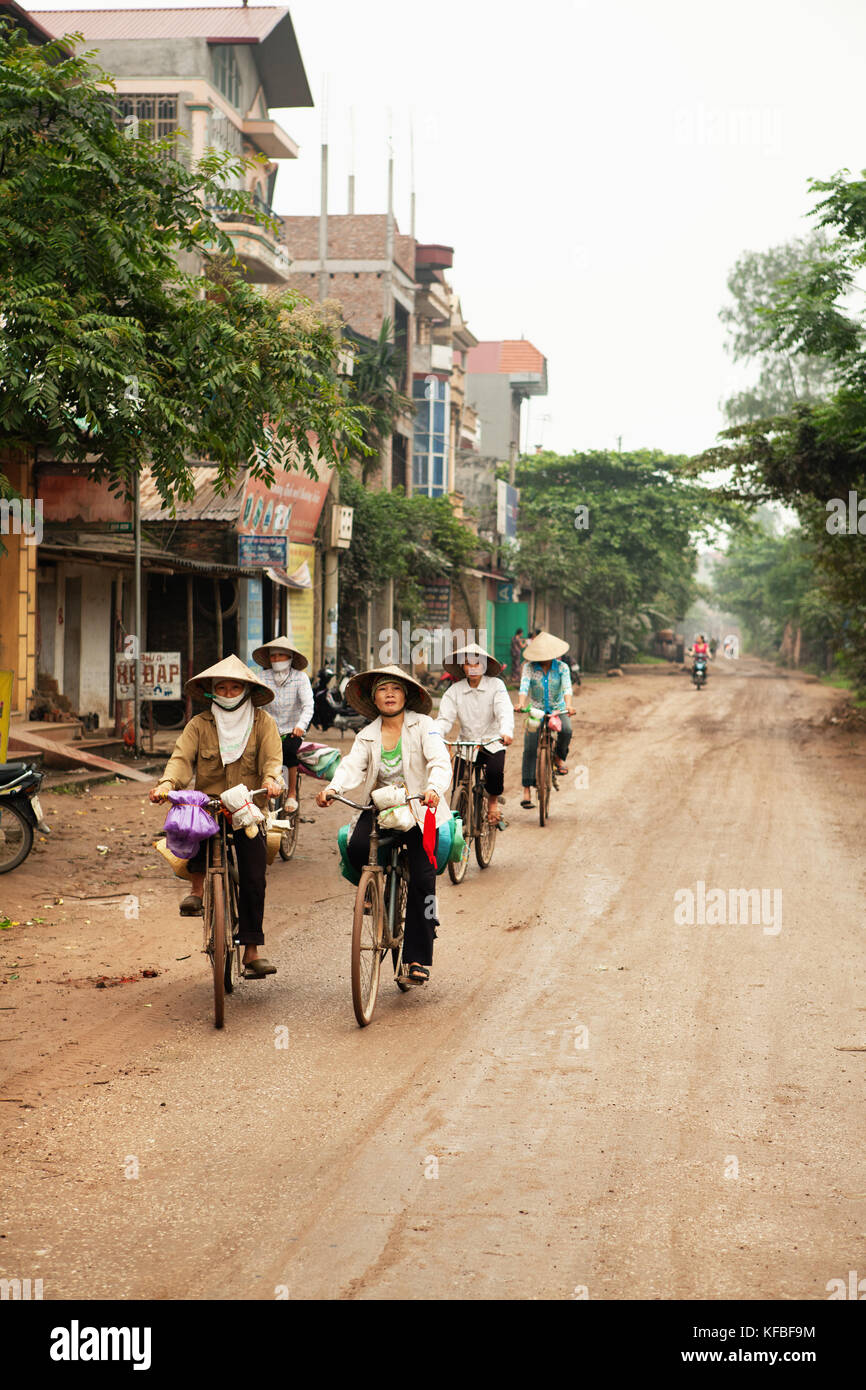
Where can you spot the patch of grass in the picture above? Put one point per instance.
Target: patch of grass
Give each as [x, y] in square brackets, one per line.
[841, 682]
[646, 659]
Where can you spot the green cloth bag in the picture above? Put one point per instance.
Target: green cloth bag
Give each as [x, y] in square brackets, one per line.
[449, 846]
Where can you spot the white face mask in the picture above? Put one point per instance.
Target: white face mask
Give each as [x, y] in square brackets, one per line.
[234, 703]
[281, 669]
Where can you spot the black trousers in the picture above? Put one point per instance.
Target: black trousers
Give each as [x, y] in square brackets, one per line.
[494, 763]
[252, 858]
[421, 919]
[291, 744]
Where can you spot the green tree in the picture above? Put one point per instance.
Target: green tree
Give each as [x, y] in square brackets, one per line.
[811, 454]
[773, 584]
[411, 540]
[110, 355]
[632, 567]
[786, 377]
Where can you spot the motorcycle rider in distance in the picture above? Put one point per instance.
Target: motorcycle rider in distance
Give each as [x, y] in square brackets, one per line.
[480, 703]
[700, 648]
[284, 668]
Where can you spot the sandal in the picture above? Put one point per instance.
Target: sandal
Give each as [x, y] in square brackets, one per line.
[257, 969]
[527, 805]
[418, 974]
[191, 906]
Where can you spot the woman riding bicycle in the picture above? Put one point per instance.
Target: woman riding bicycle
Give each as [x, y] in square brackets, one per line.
[546, 682]
[233, 742]
[284, 668]
[401, 747]
[480, 703]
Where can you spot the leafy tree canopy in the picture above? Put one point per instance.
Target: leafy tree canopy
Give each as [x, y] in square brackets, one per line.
[786, 377]
[627, 563]
[110, 354]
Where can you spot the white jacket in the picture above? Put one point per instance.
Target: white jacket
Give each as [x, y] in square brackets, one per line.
[426, 764]
[484, 712]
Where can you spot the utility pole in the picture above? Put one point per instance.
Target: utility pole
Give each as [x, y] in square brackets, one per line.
[323, 211]
[387, 451]
[136, 515]
[351, 159]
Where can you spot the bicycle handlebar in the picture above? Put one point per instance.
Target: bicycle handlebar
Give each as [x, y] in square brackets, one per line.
[371, 806]
[469, 742]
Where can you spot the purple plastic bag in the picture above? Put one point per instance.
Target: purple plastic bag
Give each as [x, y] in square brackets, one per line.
[188, 823]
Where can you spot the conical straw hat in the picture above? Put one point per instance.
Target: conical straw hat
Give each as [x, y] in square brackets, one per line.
[280, 644]
[359, 697]
[544, 647]
[472, 651]
[231, 668]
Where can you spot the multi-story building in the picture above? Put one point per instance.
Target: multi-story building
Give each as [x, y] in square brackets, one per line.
[209, 77]
[500, 377]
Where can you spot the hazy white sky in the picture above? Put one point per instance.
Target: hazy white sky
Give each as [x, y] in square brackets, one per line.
[597, 167]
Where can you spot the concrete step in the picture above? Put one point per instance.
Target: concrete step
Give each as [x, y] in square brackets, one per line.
[69, 731]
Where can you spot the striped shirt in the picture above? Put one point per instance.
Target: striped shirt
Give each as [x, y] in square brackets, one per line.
[292, 704]
[549, 689]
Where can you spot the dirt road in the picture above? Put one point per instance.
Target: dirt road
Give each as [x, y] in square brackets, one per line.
[594, 1097]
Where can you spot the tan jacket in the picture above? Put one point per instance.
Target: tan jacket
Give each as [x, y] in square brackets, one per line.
[197, 754]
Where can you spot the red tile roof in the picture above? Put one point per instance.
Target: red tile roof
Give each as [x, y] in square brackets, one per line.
[218, 21]
[510, 356]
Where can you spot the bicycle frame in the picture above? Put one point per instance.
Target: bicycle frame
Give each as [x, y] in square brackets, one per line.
[472, 785]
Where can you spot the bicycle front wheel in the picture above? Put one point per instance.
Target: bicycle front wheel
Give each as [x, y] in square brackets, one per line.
[457, 872]
[218, 947]
[16, 837]
[542, 781]
[485, 839]
[367, 949]
[289, 838]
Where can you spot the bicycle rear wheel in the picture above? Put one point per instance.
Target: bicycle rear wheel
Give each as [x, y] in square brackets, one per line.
[218, 947]
[542, 780]
[457, 872]
[367, 949]
[485, 839]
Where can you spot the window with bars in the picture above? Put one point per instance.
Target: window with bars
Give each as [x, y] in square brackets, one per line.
[430, 445]
[150, 115]
[227, 73]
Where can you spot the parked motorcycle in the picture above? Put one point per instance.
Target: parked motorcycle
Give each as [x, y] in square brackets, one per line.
[574, 667]
[20, 812]
[699, 672]
[329, 706]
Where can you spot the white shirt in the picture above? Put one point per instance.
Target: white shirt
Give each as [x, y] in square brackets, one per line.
[426, 764]
[484, 711]
[293, 700]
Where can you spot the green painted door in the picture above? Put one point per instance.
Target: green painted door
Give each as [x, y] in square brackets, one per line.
[509, 617]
